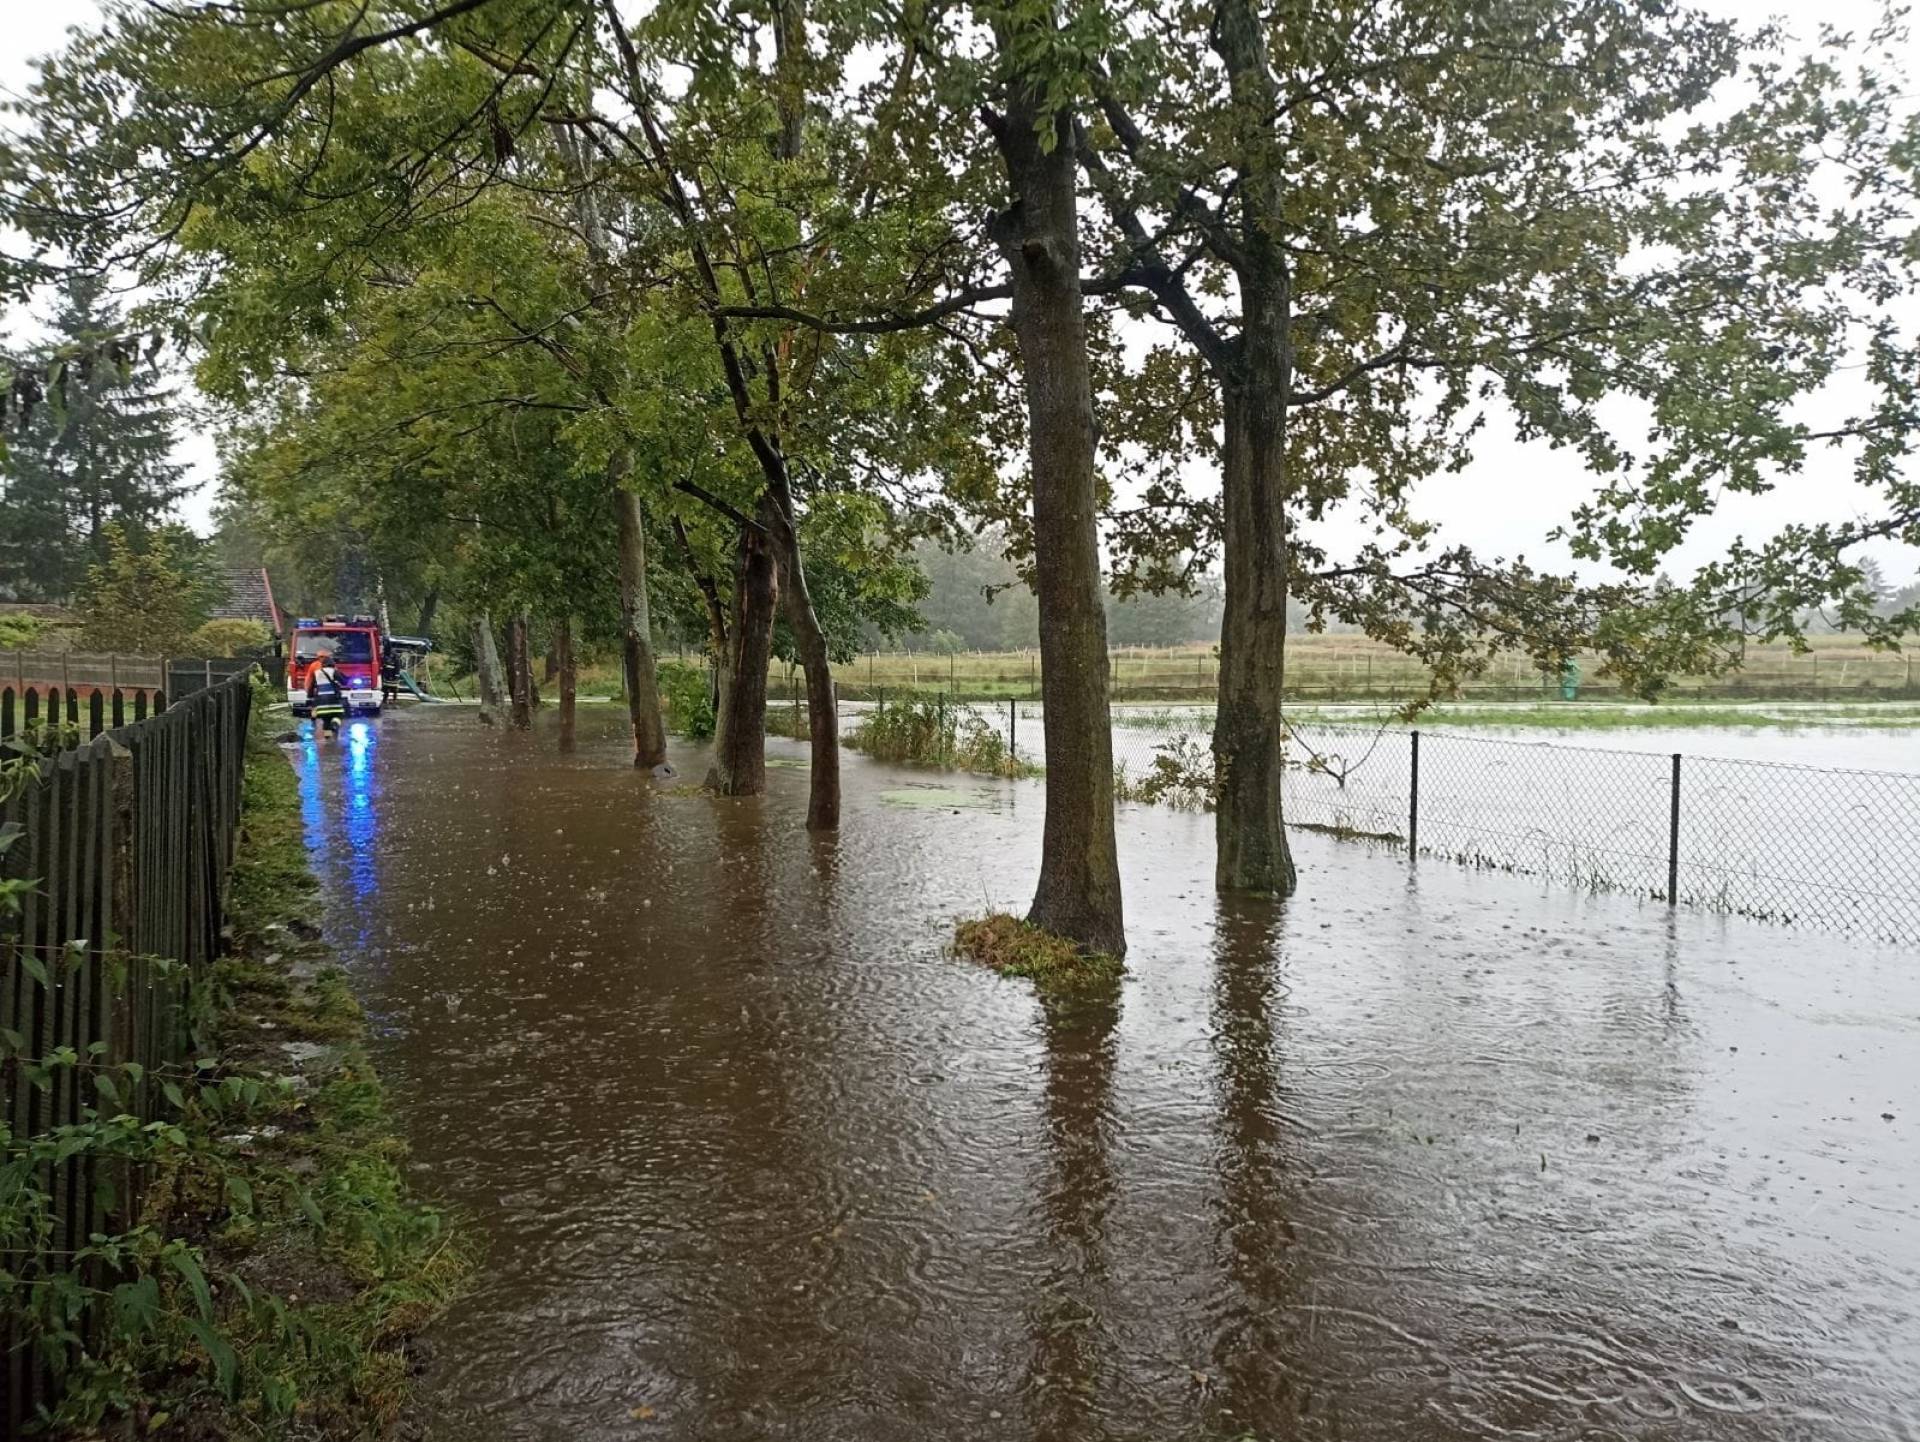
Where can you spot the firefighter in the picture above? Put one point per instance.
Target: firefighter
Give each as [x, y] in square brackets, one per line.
[326, 696]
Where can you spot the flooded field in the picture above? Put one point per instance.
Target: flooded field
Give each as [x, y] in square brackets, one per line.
[1425, 1154]
[1816, 827]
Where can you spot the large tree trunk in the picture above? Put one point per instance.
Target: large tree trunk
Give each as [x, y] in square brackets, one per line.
[636, 633]
[823, 716]
[1079, 892]
[567, 674]
[487, 678]
[519, 672]
[427, 608]
[740, 745]
[1249, 734]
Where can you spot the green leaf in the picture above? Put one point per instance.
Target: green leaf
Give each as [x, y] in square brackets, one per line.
[240, 1194]
[183, 1261]
[226, 1366]
[135, 1304]
[309, 1208]
[34, 967]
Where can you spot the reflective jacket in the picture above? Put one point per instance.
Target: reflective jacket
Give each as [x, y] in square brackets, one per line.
[323, 685]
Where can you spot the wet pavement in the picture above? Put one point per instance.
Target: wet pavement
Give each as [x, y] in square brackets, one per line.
[1429, 1155]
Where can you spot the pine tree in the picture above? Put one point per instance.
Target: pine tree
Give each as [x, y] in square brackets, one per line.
[97, 452]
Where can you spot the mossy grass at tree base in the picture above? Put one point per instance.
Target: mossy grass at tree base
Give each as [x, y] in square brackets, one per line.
[322, 1267]
[1056, 967]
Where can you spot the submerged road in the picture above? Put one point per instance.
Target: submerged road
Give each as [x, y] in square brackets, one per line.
[1421, 1155]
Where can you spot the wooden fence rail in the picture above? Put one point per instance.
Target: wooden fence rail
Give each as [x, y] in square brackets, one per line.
[128, 837]
[97, 693]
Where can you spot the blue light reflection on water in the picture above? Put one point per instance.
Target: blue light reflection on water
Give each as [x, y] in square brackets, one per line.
[342, 829]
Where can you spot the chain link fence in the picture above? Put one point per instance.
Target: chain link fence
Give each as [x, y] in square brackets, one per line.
[1811, 846]
[1821, 847]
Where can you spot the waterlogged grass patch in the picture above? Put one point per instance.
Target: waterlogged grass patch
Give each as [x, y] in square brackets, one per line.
[1056, 966]
[935, 797]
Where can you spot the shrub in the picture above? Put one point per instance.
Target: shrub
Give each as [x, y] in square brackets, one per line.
[232, 636]
[1180, 775]
[20, 632]
[683, 690]
[144, 601]
[929, 731]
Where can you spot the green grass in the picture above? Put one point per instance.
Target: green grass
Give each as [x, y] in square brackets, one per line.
[1334, 667]
[1602, 716]
[1564, 716]
[1055, 966]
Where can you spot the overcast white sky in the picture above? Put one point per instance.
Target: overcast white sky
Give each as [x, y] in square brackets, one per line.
[1505, 503]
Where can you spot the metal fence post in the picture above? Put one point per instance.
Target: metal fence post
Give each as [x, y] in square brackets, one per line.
[1673, 837]
[1413, 797]
[1013, 716]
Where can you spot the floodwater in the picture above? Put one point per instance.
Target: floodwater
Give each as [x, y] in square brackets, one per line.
[1424, 1154]
[1819, 827]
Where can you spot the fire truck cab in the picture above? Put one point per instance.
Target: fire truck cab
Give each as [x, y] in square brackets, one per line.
[354, 643]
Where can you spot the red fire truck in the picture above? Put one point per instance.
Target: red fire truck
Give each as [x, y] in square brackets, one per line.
[354, 643]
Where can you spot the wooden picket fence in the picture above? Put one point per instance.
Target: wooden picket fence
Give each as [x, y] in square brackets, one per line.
[129, 837]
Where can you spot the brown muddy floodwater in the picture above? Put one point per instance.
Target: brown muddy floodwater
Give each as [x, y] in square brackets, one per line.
[1432, 1155]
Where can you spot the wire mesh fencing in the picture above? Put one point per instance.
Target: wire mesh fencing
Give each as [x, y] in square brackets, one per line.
[1812, 846]
[1833, 849]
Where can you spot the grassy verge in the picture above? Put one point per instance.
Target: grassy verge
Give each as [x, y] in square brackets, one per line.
[1056, 967]
[309, 1267]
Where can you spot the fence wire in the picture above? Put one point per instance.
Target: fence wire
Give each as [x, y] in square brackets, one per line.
[1833, 849]
[1819, 847]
